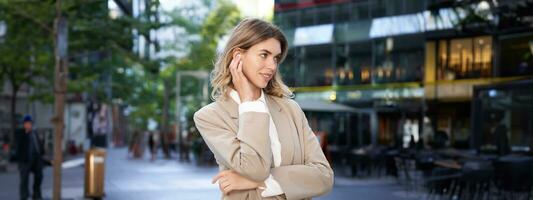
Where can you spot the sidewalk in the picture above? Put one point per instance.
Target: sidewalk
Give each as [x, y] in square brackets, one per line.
[9, 180]
[169, 179]
[126, 178]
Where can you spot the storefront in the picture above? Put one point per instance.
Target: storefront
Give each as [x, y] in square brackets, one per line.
[453, 67]
[376, 115]
[456, 63]
[502, 117]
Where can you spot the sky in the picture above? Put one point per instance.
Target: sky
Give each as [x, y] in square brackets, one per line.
[256, 8]
[249, 8]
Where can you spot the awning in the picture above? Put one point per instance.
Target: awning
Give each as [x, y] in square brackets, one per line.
[313, 35]
[323, 106]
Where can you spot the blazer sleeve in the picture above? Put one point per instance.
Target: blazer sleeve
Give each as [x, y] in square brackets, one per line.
[247, 152]
[315, 176]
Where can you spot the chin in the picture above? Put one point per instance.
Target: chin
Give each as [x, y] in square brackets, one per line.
[261, 86]
[264, 85]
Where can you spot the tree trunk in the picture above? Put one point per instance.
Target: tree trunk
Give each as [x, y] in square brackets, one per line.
[60, 89]
[13, 115]
[165, 129]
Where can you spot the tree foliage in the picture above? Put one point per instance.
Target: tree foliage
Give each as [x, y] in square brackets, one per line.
[103, 64]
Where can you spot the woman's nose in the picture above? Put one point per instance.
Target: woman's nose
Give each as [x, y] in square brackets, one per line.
[272, 64]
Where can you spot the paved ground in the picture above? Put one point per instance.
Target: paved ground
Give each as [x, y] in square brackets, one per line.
[168, 179]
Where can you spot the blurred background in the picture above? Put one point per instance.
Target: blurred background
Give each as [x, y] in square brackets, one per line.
[410, 99]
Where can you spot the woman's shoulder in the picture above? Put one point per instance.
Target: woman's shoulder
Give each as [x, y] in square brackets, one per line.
[289, 103]
[208, 109]
[220, 108]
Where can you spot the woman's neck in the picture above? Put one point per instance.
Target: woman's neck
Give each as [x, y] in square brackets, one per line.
[257, 92]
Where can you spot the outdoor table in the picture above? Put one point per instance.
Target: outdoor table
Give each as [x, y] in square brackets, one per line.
[448, 163]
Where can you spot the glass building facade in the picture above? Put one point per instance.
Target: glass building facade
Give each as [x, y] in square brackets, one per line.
[349, 56]
[405, 65]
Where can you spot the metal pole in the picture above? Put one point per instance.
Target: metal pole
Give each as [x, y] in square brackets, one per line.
[374, 127]
[178, 114]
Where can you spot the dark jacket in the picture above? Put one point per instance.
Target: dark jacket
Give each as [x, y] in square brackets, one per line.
[502, 141]
[23, 147]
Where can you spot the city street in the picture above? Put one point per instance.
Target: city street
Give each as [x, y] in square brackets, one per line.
[409, 99]
[168, 179]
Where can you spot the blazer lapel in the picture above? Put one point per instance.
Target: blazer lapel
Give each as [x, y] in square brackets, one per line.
[232, 109]
[281, 120]
[283, 127]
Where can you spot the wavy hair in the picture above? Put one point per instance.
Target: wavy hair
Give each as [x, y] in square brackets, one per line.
[246, 34]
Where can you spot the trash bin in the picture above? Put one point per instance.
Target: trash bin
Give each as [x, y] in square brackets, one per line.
[94, 173]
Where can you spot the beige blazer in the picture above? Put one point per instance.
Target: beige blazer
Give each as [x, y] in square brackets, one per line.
[241, 143]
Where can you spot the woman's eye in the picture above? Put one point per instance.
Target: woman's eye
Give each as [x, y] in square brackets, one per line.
[263, 55]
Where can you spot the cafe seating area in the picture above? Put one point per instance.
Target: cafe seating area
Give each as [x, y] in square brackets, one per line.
[445, 173]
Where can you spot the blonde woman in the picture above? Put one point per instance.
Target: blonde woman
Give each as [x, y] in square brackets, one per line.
[259, 136]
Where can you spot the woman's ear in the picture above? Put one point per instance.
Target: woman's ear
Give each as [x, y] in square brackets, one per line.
[237, 51]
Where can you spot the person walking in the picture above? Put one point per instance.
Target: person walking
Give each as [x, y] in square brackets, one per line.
[30, 151]
[152, 145]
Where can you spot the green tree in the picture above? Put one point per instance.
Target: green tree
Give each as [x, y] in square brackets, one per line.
[200, 53]
[100, 61]
[27, 48]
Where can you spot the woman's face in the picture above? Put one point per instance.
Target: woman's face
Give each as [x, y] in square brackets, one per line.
[260, 62]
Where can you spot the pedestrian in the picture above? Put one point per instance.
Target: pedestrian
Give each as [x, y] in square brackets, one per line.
[30, 151]
[500, 135]
[259, 135]
[152, 145]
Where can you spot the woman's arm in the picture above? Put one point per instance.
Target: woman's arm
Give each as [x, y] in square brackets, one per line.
[315, 176]
[248, 152]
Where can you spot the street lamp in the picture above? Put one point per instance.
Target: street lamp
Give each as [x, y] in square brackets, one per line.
[203, 76]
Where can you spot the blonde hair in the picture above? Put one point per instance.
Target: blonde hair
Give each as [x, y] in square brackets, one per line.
[246, 34]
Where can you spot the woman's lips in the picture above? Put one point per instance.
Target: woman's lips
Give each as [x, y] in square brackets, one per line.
[266, 76]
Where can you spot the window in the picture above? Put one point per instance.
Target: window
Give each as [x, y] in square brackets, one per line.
[342, 13]
[315, 66]
[307, 17]
[398, 59]
[378, 8]
[516, 58]
[464, 58]
[358, 64]
[360, 11]
[324, 15]
[505, 117]
[413, 6]
[287, 20]
[288, 68]
[395, 7]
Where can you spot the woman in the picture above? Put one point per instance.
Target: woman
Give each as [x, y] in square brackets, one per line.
[259, 136]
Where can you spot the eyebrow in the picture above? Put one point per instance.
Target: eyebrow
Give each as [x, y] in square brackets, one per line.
[268, 52]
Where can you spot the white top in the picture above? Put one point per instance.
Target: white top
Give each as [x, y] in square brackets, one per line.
[272, 186]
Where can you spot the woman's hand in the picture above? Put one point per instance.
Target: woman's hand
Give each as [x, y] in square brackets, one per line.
[243, 86]
[229, 180]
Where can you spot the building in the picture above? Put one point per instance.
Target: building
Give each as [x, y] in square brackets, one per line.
[401, 63]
